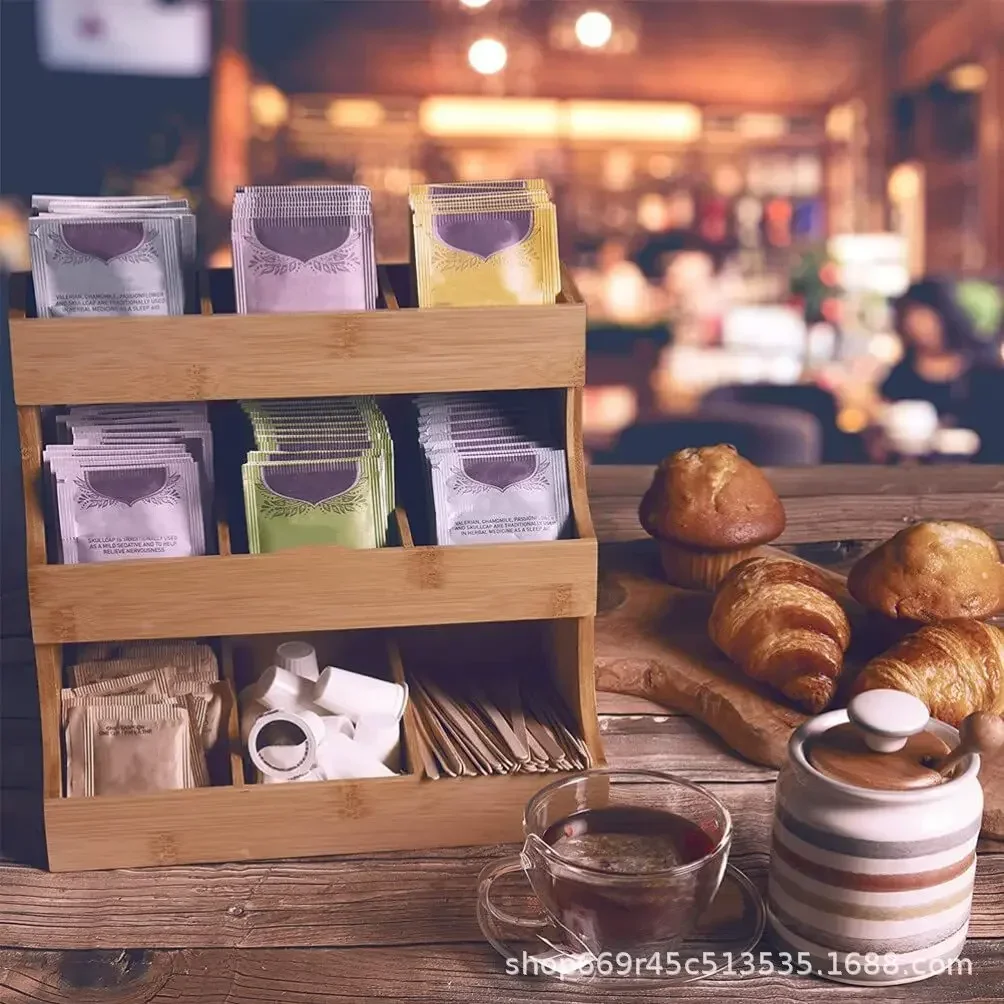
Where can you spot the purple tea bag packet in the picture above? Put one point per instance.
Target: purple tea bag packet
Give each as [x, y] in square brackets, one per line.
[293, 258]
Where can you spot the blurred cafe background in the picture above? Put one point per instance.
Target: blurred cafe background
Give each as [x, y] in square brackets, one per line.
[786, 216]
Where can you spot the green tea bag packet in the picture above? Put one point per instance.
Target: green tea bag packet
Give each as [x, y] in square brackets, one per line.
[106, 266]
[313, 502]
[494, 254]
[499, 495]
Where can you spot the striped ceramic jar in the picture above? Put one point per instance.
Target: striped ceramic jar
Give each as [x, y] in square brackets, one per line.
[872, 887]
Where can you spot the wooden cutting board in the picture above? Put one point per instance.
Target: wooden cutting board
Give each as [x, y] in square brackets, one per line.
[652, 642]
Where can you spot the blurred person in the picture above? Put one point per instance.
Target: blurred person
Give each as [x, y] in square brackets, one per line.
[946, 364]
[620, 291]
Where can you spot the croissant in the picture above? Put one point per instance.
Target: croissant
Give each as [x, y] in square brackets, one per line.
[955, 669]
[780, 622]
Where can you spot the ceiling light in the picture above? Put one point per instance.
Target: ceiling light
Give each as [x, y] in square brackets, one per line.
[474, 4]
[594, 29]
[487, 56]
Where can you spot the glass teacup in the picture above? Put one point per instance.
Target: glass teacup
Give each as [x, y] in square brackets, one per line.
[623, 864]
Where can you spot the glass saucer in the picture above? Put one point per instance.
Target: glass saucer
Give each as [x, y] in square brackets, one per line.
[722, 943]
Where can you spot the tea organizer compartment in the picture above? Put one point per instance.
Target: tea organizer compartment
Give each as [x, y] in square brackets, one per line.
[545, 588]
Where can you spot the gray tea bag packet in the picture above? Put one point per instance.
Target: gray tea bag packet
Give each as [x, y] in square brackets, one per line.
[139, 509]
[500, 496]
[106, 267]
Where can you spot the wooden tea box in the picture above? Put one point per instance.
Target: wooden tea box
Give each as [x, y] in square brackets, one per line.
[386, 606]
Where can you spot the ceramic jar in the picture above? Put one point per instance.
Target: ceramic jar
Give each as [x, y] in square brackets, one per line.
[872, 886]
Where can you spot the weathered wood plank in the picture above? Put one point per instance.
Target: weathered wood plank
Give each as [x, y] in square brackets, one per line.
[461, 974]
[620, 481]
[625, 704]
[835, 517]
[677, 744]
[358, 900]
[420, 899]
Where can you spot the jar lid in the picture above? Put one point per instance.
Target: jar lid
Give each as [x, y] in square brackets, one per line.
[885, 746]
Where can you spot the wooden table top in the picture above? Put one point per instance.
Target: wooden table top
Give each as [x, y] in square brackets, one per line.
[402, 927]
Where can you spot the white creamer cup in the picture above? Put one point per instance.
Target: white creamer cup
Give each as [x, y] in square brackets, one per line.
[298, 658]
[341, 758]
[344, 693]
[381, 735]
[308, 723]
[289, 755]
[280, 690]
[337, 725]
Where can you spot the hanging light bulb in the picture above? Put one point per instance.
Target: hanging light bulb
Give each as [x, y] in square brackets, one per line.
[487, 56]
[594, 29]
[474, 4]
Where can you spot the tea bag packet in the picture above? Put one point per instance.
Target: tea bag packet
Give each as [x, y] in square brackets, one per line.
[314, 502]
[334, 455]
[461, 189]
[170, 208]
[103, 266]
[116, 746]
[499, 495]
[135, 507]
[485, 244]
[302, 249]
[106, 434]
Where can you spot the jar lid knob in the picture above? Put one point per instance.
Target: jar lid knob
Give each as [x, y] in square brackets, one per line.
[887, 718]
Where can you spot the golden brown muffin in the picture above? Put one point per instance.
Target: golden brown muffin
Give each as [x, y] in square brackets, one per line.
[779, 620]
[932, 572]
[955, 669]
[709, 508]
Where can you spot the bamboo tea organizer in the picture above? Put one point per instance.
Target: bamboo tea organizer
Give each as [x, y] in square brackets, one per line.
[336, 595]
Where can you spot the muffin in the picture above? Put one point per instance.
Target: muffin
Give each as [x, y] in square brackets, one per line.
[931, 572]
[709, 508]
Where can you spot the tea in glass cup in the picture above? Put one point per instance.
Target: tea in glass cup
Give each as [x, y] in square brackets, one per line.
[623, 864]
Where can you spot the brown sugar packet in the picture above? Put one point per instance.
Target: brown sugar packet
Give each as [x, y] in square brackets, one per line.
[175, 651]
[425, 751]
[196, 757]
[465, 735]
[85, 673]
[440, 743]
[124, 748]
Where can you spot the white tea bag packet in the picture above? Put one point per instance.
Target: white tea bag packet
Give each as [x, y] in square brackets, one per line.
[105, 266]
[500, 496]
[146, 509]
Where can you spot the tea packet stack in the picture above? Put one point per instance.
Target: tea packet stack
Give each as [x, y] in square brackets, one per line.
[322, 472]
[469, 725]
[492, 243]
[303, 248]
[495, 468]
[131, 481]
[143, 721]
[112, 256]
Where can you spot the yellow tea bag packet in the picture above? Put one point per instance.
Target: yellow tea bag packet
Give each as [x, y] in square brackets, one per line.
[490, 252]
[467, 189]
